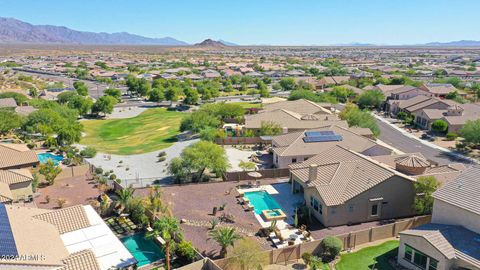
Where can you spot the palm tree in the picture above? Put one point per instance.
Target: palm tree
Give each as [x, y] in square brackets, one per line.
[168, 229]
[225, 237]
[154, 202]
[124, 196]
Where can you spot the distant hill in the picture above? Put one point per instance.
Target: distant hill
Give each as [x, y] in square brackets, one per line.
[210, 43]
[459, 43]
[16, 31]
[228, 43]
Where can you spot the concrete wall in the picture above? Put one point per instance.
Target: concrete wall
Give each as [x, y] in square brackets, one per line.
[445, 213]
[350, 240]
[397, 193]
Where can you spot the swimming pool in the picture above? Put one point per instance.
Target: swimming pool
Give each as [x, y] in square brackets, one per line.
[145, 251]
[261, 200]
[44, 157]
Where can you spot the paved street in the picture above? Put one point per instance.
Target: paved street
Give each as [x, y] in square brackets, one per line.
[405, 144]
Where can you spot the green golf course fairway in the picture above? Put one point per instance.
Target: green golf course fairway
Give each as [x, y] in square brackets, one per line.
[152, 130]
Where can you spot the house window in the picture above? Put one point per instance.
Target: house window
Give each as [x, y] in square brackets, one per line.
[314, 203]
[320, 210]
[433, 264]
[420, 259]
[294, 160]
[408, 253]
[374, 210]
[350, 208]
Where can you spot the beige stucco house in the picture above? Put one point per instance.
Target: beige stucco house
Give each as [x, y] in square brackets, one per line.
[452, 240]
[351, 188]
[299, 146]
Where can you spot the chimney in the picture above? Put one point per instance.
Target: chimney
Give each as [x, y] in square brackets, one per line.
[312, 172]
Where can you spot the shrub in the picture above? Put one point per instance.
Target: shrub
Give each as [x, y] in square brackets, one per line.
[31, 145]
[451, 136]
[162, 154]
[88, 152]
[331, 247]
[161, 159]
[113, 177]
[186, 250]
[439, 126]
[98, 170]
[307, 257]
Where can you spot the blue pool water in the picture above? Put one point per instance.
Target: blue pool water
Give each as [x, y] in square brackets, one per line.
[44, 157]
[145, 251]
[261, 200]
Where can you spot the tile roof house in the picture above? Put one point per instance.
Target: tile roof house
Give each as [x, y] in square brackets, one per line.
[302, 145]
[343, 187]
[293, 116]
[441, 89]
[17, 156]
[19, 183]
[456, 115]
[451, 241]
[72, 238]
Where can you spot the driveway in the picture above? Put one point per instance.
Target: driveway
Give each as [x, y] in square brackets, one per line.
[396, 139]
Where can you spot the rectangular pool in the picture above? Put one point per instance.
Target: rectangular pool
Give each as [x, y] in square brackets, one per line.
[261, 200]
[44, 157]
[145, 251]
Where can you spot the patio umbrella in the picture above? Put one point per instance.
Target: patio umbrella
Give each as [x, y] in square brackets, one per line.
[255, 174]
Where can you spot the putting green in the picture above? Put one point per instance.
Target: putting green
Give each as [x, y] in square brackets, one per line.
[152, 130]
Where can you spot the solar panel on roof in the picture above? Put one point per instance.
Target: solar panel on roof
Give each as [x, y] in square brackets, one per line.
[7, 242]
[318, 133]
[326, 138]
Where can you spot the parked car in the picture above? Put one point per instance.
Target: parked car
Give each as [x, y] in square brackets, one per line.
[427, 137]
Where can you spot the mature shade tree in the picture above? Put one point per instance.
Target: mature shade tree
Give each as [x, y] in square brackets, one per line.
[140, 87]
[168, 228]
[69, 133]
[191, 96]
[81, 88]
[358, 118]
[157, 94]
[179, 169]
[9, 121]
[113, 92]
[371, 99]
[225, 237]
[198, 121]
[342, 94]
[104, 105]
[471, 131]
[172, 93]
[49, 171]
[424, 188]
[205, 155]
[287, 84]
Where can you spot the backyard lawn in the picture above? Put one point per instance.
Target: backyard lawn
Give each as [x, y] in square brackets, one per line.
[365, 258]
[152, 130]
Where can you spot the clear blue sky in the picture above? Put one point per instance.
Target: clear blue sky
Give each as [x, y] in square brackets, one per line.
[275, 22]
